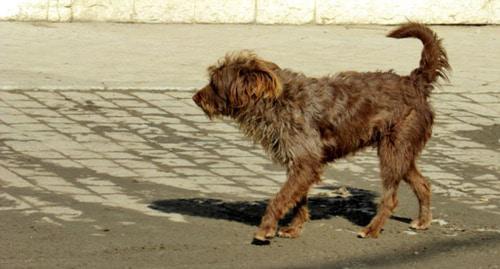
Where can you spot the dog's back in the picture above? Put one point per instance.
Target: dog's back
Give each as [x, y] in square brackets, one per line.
[352, 110]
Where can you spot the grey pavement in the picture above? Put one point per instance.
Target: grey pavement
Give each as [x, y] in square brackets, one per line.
[106, 162]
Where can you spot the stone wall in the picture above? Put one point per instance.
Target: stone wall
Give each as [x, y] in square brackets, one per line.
[255, 11]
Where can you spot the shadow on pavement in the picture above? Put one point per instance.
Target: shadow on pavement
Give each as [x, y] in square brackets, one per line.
[358, 207]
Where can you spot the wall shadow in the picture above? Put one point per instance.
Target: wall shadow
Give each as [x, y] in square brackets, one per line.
[358, 207]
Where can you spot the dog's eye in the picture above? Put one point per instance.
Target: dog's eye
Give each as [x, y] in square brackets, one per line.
[212, 86]
[216, 92]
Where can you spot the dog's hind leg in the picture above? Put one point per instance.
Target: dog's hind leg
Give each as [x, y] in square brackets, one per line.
[397, 152]
[300, 217]
[422, 190]
[302, 174]
[414, 178]
[387, 205]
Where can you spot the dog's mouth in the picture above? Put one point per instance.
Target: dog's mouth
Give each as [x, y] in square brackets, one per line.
[200, 101]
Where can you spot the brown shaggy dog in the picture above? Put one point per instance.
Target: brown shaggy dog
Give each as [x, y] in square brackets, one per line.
[304, 123]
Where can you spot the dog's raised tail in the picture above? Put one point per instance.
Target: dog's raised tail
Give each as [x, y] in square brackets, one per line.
[434, 60]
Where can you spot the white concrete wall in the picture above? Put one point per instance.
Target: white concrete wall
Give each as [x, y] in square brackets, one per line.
[255, 11]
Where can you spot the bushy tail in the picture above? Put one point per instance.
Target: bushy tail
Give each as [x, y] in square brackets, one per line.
[434, 61]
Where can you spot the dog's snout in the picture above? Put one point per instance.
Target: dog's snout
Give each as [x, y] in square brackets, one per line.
[196, 98]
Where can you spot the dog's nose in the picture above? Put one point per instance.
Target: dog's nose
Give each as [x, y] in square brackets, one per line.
[196, 98]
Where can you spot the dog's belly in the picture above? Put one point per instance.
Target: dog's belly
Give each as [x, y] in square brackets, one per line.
[341, 140]
[338, 148]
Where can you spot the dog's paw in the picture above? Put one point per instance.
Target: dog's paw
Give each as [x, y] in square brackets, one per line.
[369, 232]
[420, 224]
[264, 234]
[289, 232]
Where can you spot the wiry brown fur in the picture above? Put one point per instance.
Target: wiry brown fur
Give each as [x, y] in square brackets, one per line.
[305, 123]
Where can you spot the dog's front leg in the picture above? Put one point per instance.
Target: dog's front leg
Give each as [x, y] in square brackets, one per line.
[302, 174]
[300, 217]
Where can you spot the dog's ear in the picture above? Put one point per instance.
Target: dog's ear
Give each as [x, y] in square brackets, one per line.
[254, 80]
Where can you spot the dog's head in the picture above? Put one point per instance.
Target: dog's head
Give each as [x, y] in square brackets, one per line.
[237, 81]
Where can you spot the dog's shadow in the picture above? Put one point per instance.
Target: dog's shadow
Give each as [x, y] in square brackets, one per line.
[356, 205]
